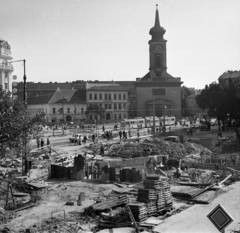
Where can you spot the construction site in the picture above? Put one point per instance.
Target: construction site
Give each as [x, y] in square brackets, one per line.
[166, 183]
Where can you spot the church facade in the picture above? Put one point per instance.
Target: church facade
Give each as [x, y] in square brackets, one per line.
[158, 88]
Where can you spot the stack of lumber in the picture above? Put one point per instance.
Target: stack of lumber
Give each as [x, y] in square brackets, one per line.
[113, 202]
[148, 196]
[139, 211]
[161, 187]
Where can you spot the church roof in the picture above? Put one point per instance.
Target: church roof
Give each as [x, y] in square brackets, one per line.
[157, 31]
[147, 76]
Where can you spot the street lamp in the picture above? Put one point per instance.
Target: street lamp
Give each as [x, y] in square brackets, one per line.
[164, 129]
[24, 157]
[63, 99]
[74, 112]
[153, 100]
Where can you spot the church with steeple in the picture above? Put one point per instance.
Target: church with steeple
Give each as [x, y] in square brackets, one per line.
[158, 88]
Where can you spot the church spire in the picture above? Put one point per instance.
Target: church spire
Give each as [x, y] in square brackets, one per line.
[157, 31]
[157, 21]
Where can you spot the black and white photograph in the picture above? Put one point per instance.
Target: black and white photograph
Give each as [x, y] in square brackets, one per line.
[119, 116]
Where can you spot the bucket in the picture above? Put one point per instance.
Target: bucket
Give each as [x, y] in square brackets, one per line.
[81, 199]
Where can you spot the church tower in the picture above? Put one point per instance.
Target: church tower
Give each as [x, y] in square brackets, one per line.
[157, 51]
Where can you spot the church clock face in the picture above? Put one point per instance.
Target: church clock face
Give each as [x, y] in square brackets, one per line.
[157, 47]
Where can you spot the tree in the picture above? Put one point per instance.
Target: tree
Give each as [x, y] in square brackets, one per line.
[95, 110]
[221, 100]
[185, 92]
[15, 123]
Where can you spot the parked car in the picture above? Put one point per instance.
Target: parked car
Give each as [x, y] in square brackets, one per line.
[74, 137]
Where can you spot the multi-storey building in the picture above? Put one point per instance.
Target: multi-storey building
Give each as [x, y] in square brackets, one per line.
[65, 105]
[6, 68]
[112, 97]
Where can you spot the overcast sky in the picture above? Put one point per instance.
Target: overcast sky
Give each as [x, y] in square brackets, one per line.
[68, 40]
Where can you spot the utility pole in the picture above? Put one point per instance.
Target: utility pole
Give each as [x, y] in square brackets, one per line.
[63, 114]
[164, 128]
[153, 99]
[24, 156]
[75, 114]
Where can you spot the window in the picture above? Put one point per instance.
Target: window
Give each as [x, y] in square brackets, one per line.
[106, 106]
[106, 97]
[158, 60]
[68, 110]
[115, 106]
[90, 96]
[6, 74]
[124, 96]
[124, 106]
[5, 86]
[82, 110]
[54, 110]
[100, 105]
[95, 96]
[119, 96]
[75, 110]
[110, 106]
[124, 116]
[120, 116]
[115, 96]
[115, 116]
[119, 106]
[90, 117]
[109, 96]
[100, 96]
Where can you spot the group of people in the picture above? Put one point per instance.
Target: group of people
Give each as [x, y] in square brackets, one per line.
[40, 143]
[123, 134]
[79, 140]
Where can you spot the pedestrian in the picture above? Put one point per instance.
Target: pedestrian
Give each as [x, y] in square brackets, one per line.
[120, 135]
[80, 140]
[93, 138]
[138, 134]
[129, 133]
[102, 150]
[42, 143]
[107, 135]
[84, 139]
[103, 128]
[96, 138]
[38, 143]
[48, 144]
[124, 134]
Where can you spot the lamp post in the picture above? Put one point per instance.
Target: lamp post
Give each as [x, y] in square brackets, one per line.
[24, 156]
[75, 114]
[153, 99]
[164, 128]
[63, 114]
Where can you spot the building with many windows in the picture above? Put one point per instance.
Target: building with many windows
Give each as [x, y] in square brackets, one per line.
[6, 68]
[65, 105]
[112, 97]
